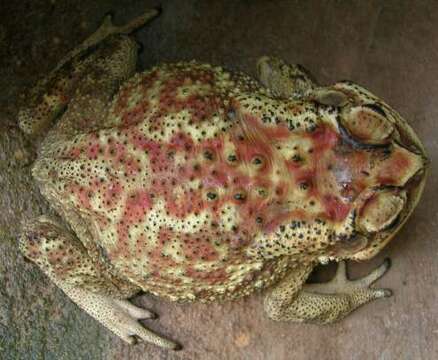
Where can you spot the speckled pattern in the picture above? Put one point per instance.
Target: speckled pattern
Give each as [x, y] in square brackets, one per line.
[243, 341]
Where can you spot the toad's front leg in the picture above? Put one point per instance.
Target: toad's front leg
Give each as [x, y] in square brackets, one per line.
[64, 259]
[283, 79]
[326, 302]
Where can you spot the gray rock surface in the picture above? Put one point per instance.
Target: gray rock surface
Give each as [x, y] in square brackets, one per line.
[390, 47]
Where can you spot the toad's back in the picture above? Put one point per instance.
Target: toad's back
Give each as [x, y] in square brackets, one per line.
[163, 190]
[199, 183]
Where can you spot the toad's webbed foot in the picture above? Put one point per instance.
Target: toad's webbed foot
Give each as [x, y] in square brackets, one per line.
[119, 316]
[107, 28]
[325, 302]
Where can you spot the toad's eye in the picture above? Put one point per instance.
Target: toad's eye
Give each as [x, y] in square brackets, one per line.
[367, 124]
[381, 210]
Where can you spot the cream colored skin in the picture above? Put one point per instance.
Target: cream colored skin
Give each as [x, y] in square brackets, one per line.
[78, 261]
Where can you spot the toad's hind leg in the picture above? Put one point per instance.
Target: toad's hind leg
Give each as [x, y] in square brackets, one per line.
[64, 259]
[284, 80]
[84, 80]
[327, 302]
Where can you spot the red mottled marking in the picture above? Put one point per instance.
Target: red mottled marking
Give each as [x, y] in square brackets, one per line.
[200, 106]
[197, 247]
[157, 259]
[115, 150]
[182, 142]
[141, 244]
[82, 194]
[131, 166]
[254, 139]
[218, 177]
[293, 166]
[213, 277]
[112, 194]
[122, 248]
[395, 167]
[136, 207]
[306, 178]
[324, 138]
[135, 115]
[121, 107]
[93, 150]
[74, 153]
[278, 132]
[335, 209]
[357, 163]
[313, 174]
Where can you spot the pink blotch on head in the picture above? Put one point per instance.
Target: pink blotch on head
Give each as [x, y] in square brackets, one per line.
[335, 209]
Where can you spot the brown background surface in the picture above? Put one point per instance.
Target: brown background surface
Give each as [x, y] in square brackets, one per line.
[390, 47]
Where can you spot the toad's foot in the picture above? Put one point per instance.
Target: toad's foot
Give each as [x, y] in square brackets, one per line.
[323, 303]
[106, 29]
[119, 316]
[359, 290]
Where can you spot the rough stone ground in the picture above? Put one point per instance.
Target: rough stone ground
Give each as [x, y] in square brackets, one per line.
[390, 47]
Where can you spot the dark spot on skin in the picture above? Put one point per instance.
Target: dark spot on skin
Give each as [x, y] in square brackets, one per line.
[211, 195]
[297, 158]
[262, 192]
[257, 160]
[232, 158]
[240, 196]
[208, 155]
